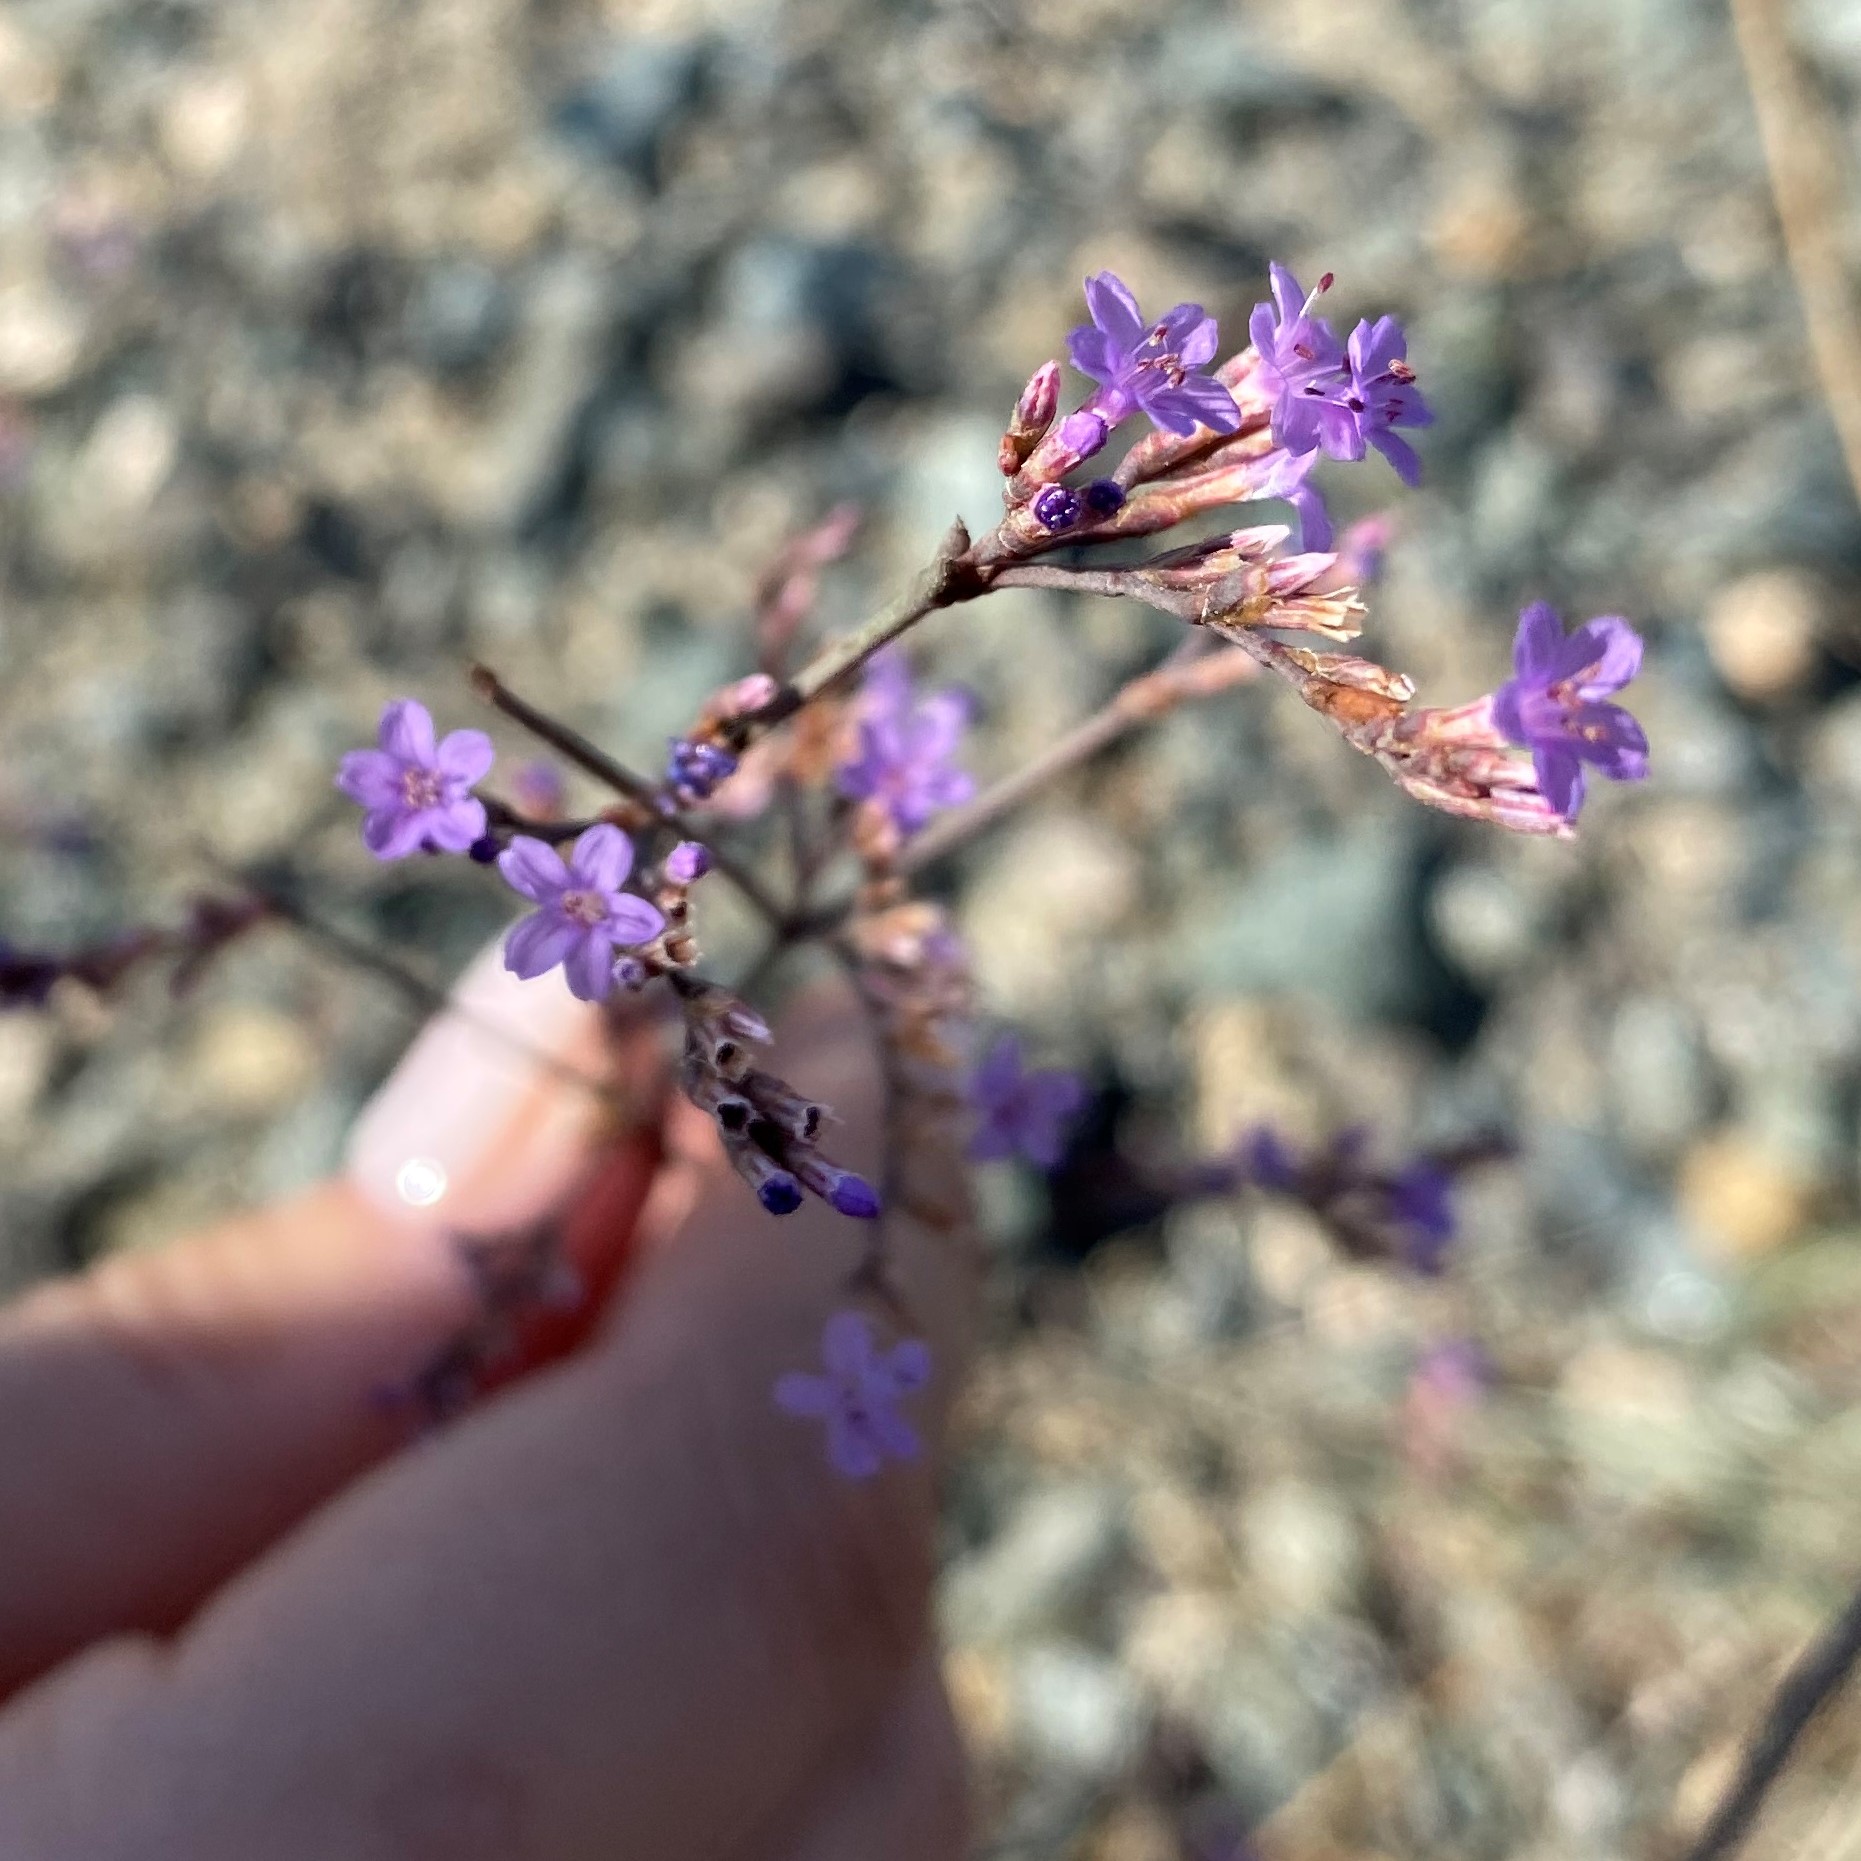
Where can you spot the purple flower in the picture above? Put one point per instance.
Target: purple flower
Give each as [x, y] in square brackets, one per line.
[1303, 365]
[688, 862]
[1267, 1160]
[1150, 366]
[858, 1396]
[1383, 395]
[417, 794]
[583, 916]
[1022, 1113]
[1331, 397]
[905, 747]
[1553, 705]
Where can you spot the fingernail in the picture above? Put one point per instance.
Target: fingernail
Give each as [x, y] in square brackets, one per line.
[482, 1125]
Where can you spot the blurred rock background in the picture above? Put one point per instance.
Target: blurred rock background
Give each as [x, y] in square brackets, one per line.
[342, 342]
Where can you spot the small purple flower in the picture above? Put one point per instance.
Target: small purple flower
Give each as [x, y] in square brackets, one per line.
[1421, 1208]
[583, 916]
[1383, 395]
[1023, 1113]
[415, 793]
[695, 770]
[1303, 365]
[905, 747]
[1553, 705]
[858, 1395]
[1058, 508]
[1150, 366]
[688, 862]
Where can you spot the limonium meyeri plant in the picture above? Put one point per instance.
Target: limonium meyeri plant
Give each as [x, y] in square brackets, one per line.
[868, 768]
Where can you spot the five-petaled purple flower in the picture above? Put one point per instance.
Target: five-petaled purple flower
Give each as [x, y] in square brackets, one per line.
[1331, 396]
[1022, 1113]
[1554, 705]
[417, 794]
[906, 743]
[858, 1395]
[1150, 366]
[583, 917]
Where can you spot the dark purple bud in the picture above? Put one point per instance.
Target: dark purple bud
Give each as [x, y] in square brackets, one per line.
[695, 769]
[630, 973]
[484, 850]
[1104, 497]
[1057, 508]
[855, 1196]
[688, 862]
[779, 1193]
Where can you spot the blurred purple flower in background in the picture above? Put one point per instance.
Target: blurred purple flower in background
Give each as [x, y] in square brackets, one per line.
[1554, 703]
[906, 744]
[1150, 366]
[694, 770]
[1022, 1113]
[415, 793]
[583, 917]
[858, 1395]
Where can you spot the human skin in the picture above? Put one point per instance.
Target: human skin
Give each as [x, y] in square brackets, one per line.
[621, 1607]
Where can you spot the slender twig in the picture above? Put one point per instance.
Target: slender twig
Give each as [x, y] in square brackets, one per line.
[1803, 157]
[941, 585]
[597, 763]
[1809, 1686]
[1192, 670]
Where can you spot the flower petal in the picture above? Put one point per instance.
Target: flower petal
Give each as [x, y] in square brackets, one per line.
[370, 778]
[852, 1448]
[536, 944]
[1213, 403]
[892, 1435]
[1610, 740]
[534, 868]
[393, 833]
[907, 1365]
[631, 920]
[1537, 644]
[1560, 778]
[466, 756]
[1288, 292]
[1508, 711]
[456, 828]
[1114, 309]
[407, 732]
[1601, 656]
[602, 858]
[1093, 353]
[1314, 516]
[589, 967]
[846, 1345]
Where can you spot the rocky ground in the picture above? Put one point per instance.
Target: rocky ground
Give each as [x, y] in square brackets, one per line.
[344, 341]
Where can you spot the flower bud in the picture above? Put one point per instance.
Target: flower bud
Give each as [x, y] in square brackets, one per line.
[1033, 415]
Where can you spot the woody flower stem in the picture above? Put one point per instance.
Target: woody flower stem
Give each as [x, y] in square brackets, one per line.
[943, 584]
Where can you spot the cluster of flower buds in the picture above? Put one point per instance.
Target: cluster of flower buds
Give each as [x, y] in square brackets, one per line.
[770, 1132]
[1242, 580]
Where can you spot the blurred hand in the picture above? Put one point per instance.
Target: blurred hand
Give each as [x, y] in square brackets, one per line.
[621, 1608]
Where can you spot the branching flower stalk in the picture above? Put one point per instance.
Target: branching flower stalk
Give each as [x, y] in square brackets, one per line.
[866, 768]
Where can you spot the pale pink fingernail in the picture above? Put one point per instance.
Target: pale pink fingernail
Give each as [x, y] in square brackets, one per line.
[483, 1124]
